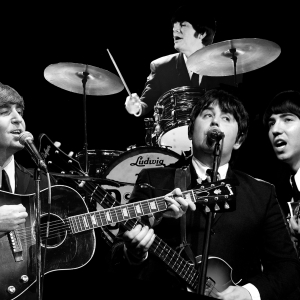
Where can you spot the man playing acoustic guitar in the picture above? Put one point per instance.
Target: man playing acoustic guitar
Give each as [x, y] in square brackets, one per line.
[14, 178]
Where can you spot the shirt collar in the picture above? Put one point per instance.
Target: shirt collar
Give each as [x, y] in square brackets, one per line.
[200, 169]
[297, 179]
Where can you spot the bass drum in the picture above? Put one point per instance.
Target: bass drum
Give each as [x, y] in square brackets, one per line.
[126, 168]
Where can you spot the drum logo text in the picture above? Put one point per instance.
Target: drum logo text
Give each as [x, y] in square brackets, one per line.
[142, 163]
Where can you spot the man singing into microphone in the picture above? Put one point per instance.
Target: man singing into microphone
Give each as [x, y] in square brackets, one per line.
[14, 178]
[253, 239]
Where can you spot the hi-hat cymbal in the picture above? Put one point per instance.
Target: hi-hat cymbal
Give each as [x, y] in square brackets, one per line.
[68, 76]
[215, 59]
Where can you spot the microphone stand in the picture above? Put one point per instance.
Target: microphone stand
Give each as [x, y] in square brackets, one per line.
[39, 285]
[206, 243]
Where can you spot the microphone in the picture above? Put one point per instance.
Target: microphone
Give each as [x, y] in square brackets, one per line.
[26, 139]
[214, 135]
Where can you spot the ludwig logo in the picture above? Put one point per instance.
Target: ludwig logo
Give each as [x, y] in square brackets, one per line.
[140, 162]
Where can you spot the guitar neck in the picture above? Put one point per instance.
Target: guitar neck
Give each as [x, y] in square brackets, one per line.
[179, 265]
[118, 214]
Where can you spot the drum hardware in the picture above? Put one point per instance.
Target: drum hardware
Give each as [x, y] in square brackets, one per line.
[98, 160]
[83, 79]
[233, 57]
[131, 147]
[149, 123]
[158, 111]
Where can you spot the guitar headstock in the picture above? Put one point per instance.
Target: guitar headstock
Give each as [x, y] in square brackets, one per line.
[218, 196]
[57, 160]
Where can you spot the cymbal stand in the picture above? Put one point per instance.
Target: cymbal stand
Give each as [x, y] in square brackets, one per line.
[85, 75]
[206, 243]
[234, 59]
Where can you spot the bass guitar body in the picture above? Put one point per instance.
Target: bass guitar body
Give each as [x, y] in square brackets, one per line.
[65, 249]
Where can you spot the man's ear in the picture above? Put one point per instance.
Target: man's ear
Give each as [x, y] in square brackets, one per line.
[238, 144]
[201, 36]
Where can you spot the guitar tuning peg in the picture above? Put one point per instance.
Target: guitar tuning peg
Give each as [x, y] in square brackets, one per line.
[226, 205]
[71, 153]
[57, 144]
[217, 207]
[207, 209]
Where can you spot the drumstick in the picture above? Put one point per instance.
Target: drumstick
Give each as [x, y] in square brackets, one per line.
[126, 87]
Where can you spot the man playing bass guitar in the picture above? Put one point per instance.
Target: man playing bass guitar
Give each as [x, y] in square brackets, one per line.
[253, 239]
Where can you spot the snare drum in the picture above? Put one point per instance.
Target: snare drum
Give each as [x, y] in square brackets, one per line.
[98, 160]
[126, 168]
[172, 117]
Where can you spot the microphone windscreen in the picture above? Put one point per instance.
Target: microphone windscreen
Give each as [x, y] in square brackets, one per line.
[24, 136]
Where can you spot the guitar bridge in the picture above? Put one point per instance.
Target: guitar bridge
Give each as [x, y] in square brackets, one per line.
[16, 245]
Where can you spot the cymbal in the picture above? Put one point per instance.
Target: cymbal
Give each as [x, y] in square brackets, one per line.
[88, 178]
[215, 59]
[68, 76]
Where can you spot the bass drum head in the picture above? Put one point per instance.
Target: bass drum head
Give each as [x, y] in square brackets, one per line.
[126, 168]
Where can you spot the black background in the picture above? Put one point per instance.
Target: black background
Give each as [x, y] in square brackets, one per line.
[35, 36]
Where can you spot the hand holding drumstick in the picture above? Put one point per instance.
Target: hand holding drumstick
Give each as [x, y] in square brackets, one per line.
[133, 104]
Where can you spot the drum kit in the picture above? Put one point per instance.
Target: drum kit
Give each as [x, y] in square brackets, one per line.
[171, 112]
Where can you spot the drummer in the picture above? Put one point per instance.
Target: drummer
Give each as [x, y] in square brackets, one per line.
[192, 30]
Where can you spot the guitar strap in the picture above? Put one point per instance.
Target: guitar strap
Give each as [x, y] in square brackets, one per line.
[182, 180]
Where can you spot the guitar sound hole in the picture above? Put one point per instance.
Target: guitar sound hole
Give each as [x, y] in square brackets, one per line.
[57, 231]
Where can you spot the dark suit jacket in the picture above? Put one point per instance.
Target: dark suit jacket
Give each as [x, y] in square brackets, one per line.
[170, 72]
[254, 234]
[25, 183]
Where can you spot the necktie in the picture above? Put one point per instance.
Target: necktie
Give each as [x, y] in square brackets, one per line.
[296, 193]
[5, 185]
[195, 79]
[208, 177]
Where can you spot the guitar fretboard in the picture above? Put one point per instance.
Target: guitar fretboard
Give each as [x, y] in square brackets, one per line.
[119, 213]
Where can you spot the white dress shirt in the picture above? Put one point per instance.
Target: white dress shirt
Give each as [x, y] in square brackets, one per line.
[191, 72]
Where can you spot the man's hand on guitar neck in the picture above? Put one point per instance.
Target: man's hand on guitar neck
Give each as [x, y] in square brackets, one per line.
[177, 205]
[11, 216]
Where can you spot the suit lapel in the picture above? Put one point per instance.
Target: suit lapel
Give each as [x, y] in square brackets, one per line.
[229, 175]
[183, 73]
[22, 179]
